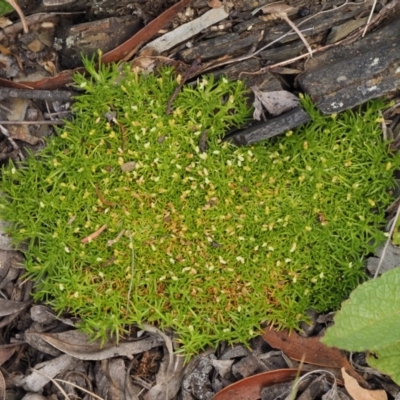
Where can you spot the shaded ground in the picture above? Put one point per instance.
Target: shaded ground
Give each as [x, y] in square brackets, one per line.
[140, 367]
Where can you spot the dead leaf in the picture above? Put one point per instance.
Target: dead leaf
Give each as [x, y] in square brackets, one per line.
[276, 7]
[276, 102]
[22, 133]
[43, 372]
[4, 22]
[114, 371]
[168, 381]
[214, 3]
[8, 350]
[2, 387]
[258, 109]
[8, 307]
[79, 345]
[359, 393]
[250, 388]
[309, 349]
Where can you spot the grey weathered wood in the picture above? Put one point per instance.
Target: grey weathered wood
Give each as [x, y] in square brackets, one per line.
[230, 43]
[89, 37]
[349, 75]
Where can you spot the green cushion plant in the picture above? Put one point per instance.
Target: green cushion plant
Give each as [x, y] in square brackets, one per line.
[128, 218]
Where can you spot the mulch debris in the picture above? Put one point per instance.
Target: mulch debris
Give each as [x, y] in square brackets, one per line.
[42, 355]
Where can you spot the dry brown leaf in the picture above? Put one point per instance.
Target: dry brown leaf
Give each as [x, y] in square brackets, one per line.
[79, 345]
[359, 393]
[214, 3]
[310, 349]
[7, 351]
[250, 388]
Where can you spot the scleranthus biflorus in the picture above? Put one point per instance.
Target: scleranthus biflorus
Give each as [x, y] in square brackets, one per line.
[132, 215]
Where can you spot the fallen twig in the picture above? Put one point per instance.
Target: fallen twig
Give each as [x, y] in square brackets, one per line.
[43, 122]
[94, 235]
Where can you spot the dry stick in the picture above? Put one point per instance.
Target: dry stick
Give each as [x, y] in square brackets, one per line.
[94, 235]
[102, 199]
[17, 8]
[36, 94]
[44, 122]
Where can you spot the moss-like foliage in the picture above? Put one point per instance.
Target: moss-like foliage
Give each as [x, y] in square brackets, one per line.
[132, 215]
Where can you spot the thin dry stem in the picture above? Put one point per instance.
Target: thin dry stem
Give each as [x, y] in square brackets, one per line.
[94, 235]
[369, 18]
[21, 15]
[285, 17]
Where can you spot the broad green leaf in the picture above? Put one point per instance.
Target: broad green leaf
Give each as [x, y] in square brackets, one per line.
[4, 7]
[370, 318]
[387, 360]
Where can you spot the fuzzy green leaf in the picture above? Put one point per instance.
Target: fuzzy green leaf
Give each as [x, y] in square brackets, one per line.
[4, 7]
[387, 360]
[369, 319]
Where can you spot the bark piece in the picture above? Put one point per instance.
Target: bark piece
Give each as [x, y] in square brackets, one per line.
[271, 128]
[230, 43]
[247, 366]
[337, 84]
[235, 352]
[88, 37]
